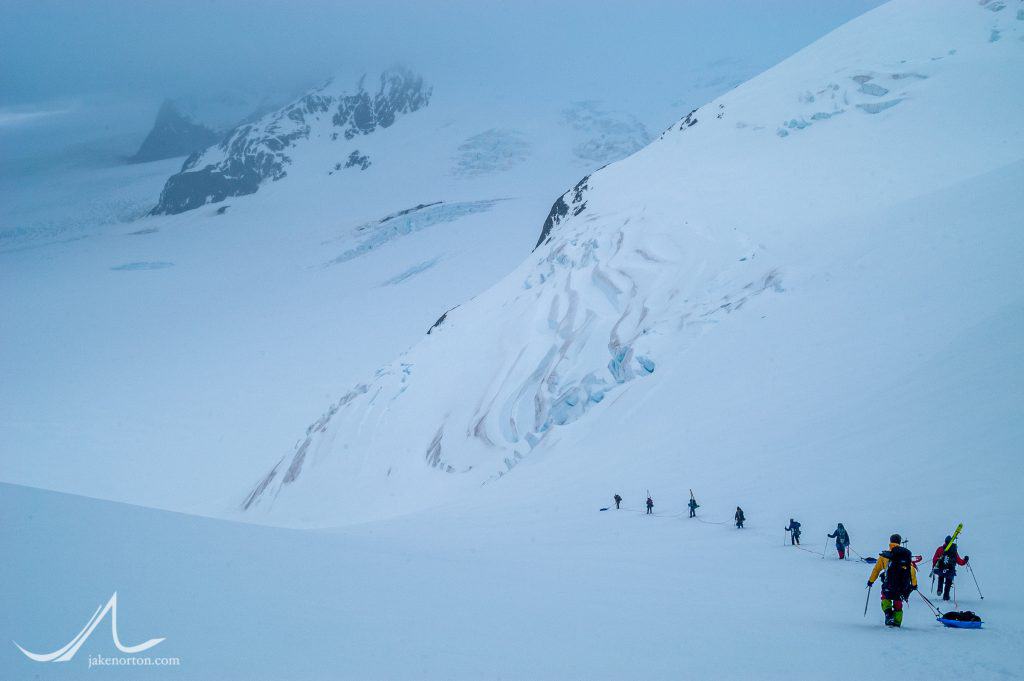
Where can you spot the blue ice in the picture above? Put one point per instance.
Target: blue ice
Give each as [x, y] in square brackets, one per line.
[878, 107]
[617, 365]
[873, 90]
[393, 227]
[825, 115]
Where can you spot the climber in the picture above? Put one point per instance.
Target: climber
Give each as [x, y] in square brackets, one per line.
[944, 564]
[794, 532]
[898, 582]
[842, 538]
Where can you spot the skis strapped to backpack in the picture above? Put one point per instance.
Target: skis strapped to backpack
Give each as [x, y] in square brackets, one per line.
[952, 537]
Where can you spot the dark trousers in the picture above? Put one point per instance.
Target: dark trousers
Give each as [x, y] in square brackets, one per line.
[650, 510]
[617, 505]
[794, 539]
[945, 583]
[693, 512]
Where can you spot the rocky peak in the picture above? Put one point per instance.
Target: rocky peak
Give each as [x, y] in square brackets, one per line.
[173, 134]
[264, 149]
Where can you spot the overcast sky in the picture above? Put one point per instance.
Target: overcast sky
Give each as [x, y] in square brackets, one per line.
[81, 80]
[53, 49]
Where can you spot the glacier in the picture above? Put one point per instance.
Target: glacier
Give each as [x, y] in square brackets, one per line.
[799, 298]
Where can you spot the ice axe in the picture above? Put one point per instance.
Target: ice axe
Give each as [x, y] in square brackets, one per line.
[867, 600]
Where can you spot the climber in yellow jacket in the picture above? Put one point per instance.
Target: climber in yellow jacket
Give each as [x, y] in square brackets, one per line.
[899, 579]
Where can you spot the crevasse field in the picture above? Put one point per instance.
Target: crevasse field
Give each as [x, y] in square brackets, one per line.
[800, 298]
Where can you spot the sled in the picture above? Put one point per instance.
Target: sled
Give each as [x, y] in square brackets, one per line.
[604, 509]
[957, 624]
[960, 619]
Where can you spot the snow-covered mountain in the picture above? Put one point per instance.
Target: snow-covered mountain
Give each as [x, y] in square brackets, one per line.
[262, 151]
[308, 283]
[774, 211]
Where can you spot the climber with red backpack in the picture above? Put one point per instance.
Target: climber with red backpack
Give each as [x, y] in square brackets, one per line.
[898, 581]
[944, 564]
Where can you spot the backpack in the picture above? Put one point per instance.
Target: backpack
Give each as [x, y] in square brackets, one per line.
[897, 574]
[948, 560]
[961, 616]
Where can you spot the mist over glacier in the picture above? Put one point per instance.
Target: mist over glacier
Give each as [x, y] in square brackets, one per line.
[104, 65]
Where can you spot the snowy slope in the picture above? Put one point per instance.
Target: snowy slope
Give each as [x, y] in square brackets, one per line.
[775, 192]
[157, 359]
[533, 585]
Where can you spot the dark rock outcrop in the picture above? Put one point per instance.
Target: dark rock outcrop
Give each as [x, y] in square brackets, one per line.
[173, 134]
[260, 151]
[573, 200]
[440, 320]
[399, 92]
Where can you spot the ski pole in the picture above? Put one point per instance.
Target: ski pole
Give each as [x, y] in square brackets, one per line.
[867, 600]
[933, 579]
[971, 569]
[824, 549]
